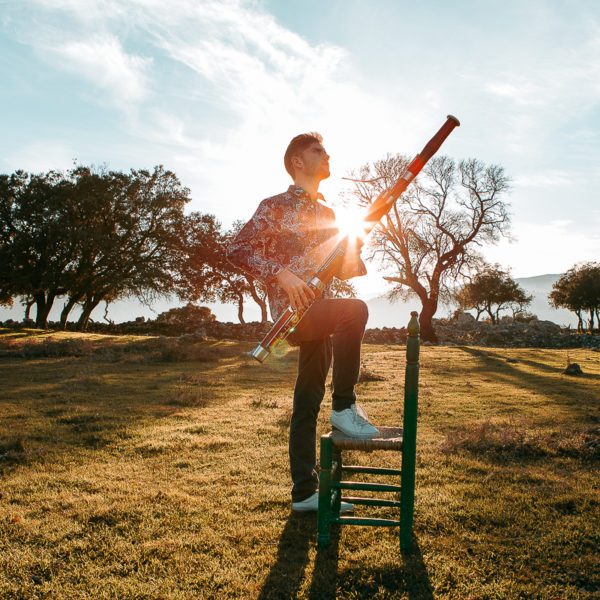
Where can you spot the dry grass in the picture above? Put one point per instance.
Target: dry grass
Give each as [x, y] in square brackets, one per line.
[130, 473]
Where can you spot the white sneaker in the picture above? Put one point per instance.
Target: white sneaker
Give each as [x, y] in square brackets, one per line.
[311, 504]
[354, 422]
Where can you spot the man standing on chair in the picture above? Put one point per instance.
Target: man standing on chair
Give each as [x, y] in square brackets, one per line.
[283, 245]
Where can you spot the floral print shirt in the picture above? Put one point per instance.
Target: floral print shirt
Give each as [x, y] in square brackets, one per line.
[290, 231]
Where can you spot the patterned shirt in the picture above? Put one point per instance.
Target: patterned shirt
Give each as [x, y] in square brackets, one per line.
[289, 231]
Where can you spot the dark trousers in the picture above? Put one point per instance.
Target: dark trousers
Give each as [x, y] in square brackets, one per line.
[331, 328]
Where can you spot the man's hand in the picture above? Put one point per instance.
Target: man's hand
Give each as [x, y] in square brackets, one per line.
[299, 293]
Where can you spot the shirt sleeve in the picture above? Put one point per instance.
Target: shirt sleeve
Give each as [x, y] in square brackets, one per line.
[252, 248]
[353, 265]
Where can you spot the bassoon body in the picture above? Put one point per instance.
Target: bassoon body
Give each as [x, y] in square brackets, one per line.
[289, 319]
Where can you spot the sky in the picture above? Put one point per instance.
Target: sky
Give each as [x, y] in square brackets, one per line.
[214, 91]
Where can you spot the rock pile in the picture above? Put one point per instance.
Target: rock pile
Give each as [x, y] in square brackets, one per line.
[465, 330]
[533, 334]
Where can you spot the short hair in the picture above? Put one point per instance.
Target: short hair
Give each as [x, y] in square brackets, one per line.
[297, 146]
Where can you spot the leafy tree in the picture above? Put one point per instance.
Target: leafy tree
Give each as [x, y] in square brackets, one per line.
[34, 250]
[342, 288]
[186, 319]
[492, 290]
[90, 236]
[129, 236]
[430, 236]
[206, 274]
[578, 290]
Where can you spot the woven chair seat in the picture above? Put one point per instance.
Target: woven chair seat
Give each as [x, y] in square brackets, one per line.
[389, 438]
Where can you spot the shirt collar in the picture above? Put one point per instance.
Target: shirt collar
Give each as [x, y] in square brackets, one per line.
[301, 193]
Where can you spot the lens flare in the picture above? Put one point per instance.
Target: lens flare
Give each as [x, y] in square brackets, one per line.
[350, 223]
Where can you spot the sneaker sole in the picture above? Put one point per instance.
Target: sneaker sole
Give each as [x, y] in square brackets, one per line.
[366, 436]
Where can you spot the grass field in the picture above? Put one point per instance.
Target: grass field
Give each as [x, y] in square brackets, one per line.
[147, 469]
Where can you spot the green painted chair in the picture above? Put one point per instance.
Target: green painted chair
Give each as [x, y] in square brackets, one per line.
[402, 439]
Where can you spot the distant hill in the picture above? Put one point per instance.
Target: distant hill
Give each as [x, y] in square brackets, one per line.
[382, 312]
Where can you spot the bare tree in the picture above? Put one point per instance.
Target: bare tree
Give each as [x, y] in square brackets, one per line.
[430, 237]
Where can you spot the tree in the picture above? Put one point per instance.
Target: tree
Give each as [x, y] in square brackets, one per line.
[578, 290]
[342, 288]
[92, 236]
[429, 237]
[129, 238]
[186, 319]
[491, 290]
[34, 250]
[205, 272]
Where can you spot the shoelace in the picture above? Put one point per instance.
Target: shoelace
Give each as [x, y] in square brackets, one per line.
[359, 418]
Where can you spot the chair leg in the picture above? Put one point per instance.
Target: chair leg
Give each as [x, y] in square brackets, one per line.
[336, 477]
[324, 515]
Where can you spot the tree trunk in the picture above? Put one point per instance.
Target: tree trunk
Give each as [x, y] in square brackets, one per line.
[84, 318]
[591, 320]
[28, 306]
[260, 301]
[43, 307]
[263, 312]
[241, 309]
[64, 315]
[425, 320]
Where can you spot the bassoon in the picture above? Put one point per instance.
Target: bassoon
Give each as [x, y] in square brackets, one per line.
[289, 319]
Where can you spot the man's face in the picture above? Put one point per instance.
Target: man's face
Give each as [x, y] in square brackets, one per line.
[314, 162]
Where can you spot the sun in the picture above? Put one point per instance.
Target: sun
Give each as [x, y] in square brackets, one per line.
[350, 222]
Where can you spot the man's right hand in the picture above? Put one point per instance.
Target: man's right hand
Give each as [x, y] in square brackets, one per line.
[299, 293]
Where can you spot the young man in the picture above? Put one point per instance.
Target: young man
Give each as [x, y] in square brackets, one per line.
[283, 245]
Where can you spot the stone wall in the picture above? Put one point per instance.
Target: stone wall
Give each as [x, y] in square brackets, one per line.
[463, 330]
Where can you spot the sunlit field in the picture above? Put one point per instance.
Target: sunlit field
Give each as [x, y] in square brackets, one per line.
[141, 468]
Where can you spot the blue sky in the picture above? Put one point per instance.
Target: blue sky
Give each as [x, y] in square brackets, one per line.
[215, 90]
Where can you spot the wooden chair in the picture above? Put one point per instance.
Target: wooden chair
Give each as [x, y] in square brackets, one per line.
[389, 438]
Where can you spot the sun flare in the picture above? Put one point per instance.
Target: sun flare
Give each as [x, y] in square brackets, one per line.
[350, 222]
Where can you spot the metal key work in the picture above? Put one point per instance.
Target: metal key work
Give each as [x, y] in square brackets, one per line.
[402, 439]
[287, 322]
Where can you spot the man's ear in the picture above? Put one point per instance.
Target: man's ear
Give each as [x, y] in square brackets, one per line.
[297, 162]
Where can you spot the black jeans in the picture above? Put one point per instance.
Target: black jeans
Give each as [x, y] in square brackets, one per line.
[332, 327]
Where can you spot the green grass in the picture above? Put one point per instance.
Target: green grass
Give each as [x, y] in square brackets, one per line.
[136, 468]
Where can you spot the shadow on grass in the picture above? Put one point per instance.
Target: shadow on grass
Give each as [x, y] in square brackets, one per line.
[286, 575]
[406, 576]
[564, 390]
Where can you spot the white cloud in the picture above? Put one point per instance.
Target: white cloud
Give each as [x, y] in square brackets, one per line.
[233, 58]
[544, 179]
[522, 93]
[103, 61]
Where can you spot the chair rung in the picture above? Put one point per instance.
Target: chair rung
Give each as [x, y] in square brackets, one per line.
[372, 487]
[371, 501]
[372, 470]
[366, 521]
